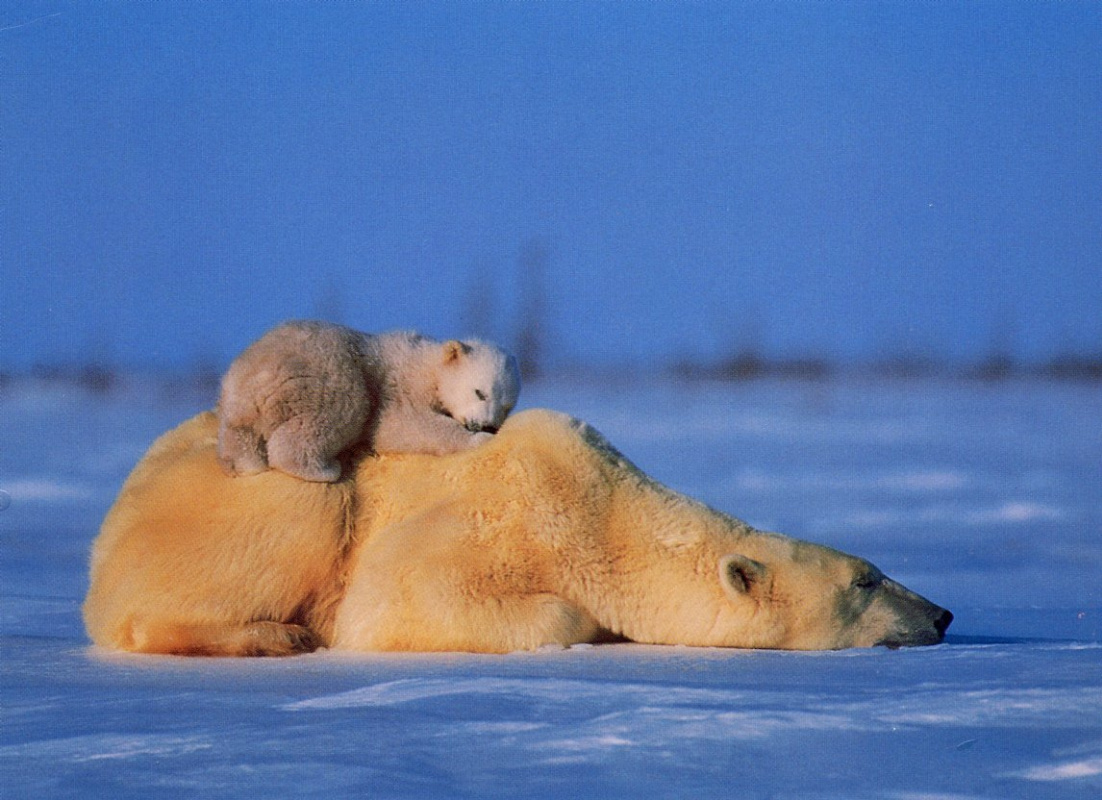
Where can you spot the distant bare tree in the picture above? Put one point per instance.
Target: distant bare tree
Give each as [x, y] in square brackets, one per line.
[999, 362]
[745, 357]
[533, 266]
[480, 304]
[98, 374]
[329, 304]
[208, 378]
[98, 377]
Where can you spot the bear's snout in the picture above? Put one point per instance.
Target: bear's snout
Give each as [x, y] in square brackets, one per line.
[944, 620]
[918, 622]
[922, 633]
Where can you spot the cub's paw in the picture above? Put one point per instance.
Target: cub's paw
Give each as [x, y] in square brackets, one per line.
[315, 473]
[481, 437]
[241, 451]
[242, 467]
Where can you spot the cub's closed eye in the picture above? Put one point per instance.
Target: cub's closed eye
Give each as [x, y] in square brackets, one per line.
[866, 581]
[479, 394]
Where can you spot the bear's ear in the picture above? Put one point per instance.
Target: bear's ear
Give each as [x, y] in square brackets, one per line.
[744, 576]
[453, 351]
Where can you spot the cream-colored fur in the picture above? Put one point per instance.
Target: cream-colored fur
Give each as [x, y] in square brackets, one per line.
[307, 391]
[189, 560]
[545, 535]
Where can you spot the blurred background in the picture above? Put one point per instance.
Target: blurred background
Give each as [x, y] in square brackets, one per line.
[718, 189]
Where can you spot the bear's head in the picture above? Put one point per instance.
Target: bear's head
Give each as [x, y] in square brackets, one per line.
[715, 581]
[803, 596]
[477, 384]
[686, 573]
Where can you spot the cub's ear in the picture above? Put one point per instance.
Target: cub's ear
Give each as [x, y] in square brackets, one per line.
[453, 351]
[744, 576]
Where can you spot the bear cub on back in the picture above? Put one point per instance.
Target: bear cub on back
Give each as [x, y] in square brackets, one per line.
[306, 391]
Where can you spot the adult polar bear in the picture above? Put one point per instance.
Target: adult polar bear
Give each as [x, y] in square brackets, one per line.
[543, 535]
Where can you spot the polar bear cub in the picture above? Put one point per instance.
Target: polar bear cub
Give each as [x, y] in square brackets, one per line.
[306, 391]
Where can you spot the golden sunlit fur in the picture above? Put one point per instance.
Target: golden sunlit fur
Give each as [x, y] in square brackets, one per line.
[192, 561]
[544, 535]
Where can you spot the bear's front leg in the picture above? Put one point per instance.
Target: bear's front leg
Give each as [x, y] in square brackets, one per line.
[422, 584]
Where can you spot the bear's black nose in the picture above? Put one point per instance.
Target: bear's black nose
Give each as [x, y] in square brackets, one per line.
[943, 621]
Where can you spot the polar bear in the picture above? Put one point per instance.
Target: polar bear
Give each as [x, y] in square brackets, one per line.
[544, 535]
[307, 391]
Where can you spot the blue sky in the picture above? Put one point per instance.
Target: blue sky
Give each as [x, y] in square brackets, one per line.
[846, 180]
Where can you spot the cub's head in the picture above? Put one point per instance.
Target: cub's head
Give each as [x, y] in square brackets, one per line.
[811, 598]
[477, 384]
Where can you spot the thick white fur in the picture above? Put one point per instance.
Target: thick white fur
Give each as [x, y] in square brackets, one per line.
[545, 535]
[307, 391]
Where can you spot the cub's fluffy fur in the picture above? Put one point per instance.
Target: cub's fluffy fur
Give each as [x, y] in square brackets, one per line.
[306, 391]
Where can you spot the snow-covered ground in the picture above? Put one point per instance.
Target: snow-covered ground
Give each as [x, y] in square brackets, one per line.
[985, 498]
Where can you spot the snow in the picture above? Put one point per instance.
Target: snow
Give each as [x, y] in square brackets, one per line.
[985, 498]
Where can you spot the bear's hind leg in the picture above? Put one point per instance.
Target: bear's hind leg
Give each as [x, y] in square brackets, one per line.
[300, 447]
[226, 639]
